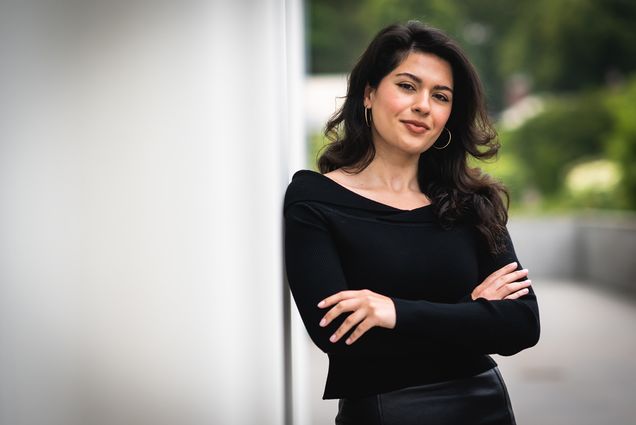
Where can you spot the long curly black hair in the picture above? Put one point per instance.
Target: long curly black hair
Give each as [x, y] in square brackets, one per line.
[457, 191]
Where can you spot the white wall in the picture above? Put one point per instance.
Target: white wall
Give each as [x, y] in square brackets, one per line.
[144, 151]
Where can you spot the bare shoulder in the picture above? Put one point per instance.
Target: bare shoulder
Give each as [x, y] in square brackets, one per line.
[342, 177]
[357, 183]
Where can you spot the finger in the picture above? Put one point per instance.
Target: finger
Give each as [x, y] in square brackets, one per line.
[516, 275]
[512, 287]
[359, 331]
[517, 294]
[516, 286]
[509, 278]
[338, 309]
[353, 319]
[336, 298]
[502, 271]
[495, 275]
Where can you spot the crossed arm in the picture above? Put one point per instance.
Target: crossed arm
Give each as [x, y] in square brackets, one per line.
[500, 315]
[369, 309]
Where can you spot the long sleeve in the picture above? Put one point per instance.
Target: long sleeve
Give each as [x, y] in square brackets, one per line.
[337, 240]
[314, 272]
[502, 327]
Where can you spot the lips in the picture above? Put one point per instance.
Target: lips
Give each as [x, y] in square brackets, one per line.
[416, 127]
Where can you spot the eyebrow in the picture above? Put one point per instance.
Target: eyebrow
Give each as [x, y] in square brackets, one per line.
[419, 81]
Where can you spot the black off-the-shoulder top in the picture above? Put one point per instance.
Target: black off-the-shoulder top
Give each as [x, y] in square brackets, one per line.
[336, 239]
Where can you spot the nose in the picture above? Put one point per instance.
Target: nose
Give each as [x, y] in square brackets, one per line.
[422, 104]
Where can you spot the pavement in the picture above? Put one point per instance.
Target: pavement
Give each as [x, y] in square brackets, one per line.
[582, 371]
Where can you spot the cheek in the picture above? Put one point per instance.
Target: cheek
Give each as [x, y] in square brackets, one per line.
[443, 115]
[391, 107]
[397, 104]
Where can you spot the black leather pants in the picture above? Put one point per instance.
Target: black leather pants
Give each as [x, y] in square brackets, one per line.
[478, 400]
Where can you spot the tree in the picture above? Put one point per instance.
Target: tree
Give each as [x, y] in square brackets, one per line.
[622, 140]
[568, 130]
[567, 45]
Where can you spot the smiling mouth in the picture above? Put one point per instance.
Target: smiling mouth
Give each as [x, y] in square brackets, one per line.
[416, 128]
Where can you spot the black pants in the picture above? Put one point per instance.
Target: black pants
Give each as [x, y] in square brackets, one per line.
[478, 400]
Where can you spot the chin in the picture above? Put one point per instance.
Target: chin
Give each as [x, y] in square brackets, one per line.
[426, 148]
[416, 149]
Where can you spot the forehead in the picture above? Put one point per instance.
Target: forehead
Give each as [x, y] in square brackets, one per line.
[428, 67]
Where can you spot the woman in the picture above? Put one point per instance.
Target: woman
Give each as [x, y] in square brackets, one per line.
[397, 253]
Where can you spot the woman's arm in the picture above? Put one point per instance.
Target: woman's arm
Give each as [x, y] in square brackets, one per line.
[314, 273]
[504, 283]
[504, 326]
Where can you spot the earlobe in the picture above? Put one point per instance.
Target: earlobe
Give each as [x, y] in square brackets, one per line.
[368, 96]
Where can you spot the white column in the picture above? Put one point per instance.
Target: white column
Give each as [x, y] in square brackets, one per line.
[143, 157]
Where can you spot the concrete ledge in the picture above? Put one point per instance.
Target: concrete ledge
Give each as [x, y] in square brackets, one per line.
[546, 246]
[592, 248]
[607, 252]
[599, 248]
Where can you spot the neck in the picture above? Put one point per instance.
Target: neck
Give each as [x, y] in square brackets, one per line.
[393, 171]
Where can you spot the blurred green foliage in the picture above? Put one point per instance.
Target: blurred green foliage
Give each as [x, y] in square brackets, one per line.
[316, 142]
[562, 45]
[569, 129]
[572, 130]
[571, 44]
[621, 142]
[578, 56]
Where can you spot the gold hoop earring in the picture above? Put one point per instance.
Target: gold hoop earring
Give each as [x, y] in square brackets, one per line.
[450, 136]
[366, 116]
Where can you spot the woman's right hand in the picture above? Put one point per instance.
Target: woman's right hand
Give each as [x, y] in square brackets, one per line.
[502, 284]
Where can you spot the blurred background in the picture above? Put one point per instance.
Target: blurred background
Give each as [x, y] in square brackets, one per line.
[145, 147]
[560, 80]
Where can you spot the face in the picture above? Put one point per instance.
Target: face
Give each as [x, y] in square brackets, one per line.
[410, 105]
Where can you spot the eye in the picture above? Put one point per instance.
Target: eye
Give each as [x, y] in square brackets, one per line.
[442, 97]
[407, 86]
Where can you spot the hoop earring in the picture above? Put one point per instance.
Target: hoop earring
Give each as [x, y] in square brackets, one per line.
[450, 136]
[366, 116]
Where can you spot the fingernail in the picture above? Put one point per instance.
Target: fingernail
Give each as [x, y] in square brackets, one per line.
[514, 263]
[348, 341]
[323, 322]
[321, 303]
[333, 338]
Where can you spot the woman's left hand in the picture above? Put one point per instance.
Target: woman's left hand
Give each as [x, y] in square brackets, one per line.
[368, 309]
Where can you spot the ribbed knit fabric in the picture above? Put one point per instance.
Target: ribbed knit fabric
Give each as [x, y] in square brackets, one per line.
[336, 239]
